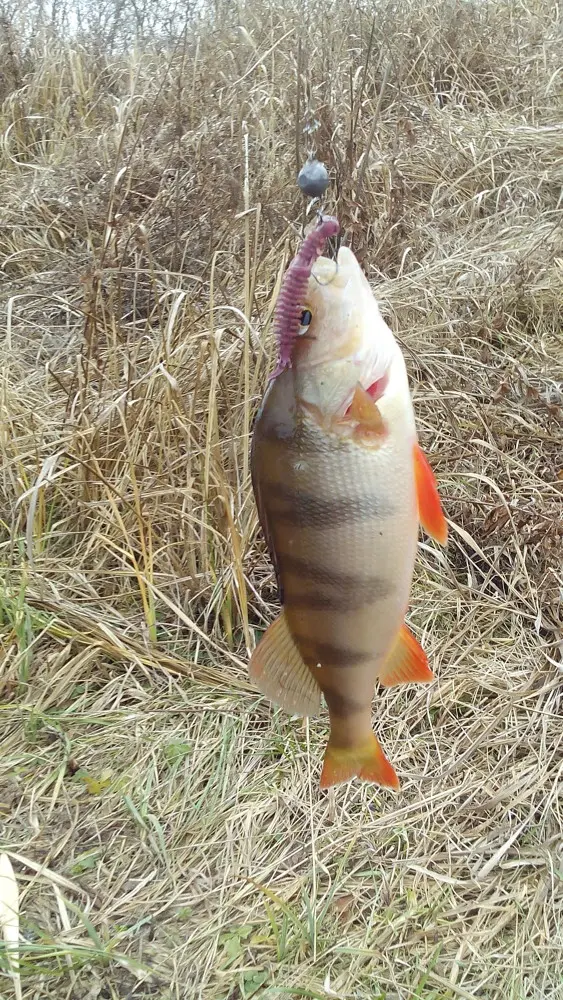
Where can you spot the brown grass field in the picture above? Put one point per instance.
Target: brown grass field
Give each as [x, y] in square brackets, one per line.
[164, 823]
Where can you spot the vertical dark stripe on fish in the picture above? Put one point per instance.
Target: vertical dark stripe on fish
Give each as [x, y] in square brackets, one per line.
[329, 654]
[341, 704]
[296, 508]
[314, 590]
[346, 601]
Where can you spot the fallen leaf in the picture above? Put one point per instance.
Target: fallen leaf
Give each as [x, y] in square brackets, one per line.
[176, 752]
[96, 786]
[343, 905]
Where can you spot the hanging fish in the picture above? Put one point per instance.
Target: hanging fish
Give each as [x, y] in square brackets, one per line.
[341, 486]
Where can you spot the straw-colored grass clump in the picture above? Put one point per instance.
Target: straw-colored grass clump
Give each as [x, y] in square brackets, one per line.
[164, 823]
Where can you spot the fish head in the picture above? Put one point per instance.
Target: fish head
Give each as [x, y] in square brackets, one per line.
[343, 339]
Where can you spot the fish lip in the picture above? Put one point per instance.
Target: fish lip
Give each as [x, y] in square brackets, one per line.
[326, 271]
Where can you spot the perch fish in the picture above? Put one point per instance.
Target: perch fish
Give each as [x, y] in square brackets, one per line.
[341, 486]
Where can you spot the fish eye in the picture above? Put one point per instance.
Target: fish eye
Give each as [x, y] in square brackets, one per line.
[306, 317]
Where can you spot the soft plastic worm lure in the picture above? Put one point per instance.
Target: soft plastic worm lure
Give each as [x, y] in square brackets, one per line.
[287, 318]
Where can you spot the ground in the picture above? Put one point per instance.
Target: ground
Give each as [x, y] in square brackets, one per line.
[164, 823]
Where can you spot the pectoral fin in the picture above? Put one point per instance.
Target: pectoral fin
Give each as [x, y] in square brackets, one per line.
[429, 507]
[364, 418]
[278, 670]
[365, 410]
[407, 663]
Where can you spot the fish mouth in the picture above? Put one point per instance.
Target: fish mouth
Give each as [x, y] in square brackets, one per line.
[340, 270]
[329, 271]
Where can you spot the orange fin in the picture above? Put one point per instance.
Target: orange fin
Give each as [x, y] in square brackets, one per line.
[407, 662]
[365, 410]
[429, 507]
[278, 670]
[366, 761]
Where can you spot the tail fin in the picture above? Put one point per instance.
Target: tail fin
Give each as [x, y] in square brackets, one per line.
[366, 761]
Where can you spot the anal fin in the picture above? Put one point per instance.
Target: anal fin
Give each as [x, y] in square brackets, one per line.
[278, 670]
[407, 662]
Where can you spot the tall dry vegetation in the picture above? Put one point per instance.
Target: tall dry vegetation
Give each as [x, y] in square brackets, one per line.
[164, 823]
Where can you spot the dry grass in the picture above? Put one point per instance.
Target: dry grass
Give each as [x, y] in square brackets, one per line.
[165, 824]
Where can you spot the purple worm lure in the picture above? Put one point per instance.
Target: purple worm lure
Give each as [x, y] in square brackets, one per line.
[287, 317]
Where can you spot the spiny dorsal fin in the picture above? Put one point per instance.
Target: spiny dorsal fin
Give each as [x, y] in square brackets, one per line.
[278, 670]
